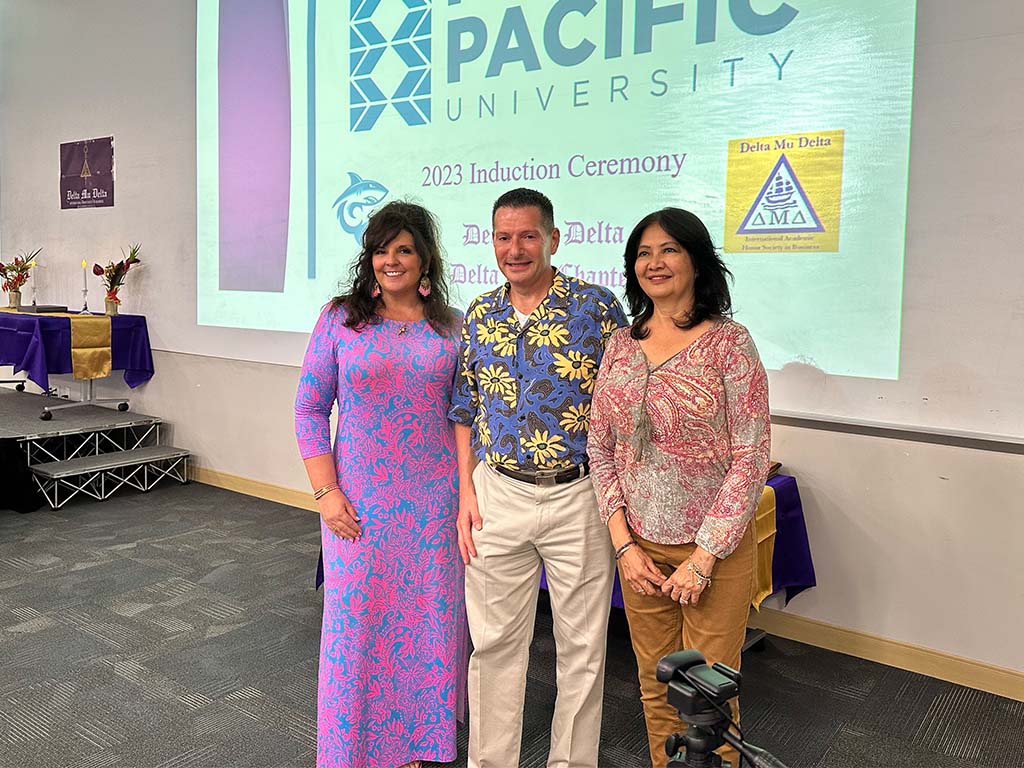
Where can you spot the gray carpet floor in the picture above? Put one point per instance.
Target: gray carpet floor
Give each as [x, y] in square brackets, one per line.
[179, 629]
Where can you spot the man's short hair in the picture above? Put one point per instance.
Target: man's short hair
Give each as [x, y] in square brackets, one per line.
[527, 198]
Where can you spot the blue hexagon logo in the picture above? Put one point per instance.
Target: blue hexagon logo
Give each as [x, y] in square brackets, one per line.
[375, 60]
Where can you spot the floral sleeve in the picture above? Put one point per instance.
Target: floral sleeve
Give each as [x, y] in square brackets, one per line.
[318, 386]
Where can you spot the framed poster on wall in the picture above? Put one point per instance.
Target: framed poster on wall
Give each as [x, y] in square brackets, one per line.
[87, 173]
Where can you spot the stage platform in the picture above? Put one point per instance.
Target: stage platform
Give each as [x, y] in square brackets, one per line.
[84, 451]
[19, 417]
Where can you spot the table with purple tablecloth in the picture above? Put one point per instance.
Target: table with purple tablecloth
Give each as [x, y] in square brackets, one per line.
[40, 345]
[792, 567]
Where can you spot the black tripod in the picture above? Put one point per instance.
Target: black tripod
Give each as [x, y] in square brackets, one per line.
[700, 693]
[699, 743]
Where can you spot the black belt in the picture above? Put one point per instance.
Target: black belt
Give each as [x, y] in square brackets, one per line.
[547, 476]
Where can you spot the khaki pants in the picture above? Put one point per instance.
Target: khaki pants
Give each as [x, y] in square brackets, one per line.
[524, 526]
[716, 627]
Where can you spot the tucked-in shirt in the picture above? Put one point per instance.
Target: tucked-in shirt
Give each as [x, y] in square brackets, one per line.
[526, 389]
[700, 476]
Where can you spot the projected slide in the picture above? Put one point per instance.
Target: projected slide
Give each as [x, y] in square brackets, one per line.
[784, 125]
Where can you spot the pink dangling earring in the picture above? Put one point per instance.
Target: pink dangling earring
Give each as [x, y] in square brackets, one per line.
[375, 291]
[424, 289]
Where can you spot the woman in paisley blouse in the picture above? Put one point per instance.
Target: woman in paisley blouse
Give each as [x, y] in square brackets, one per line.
[679, 445]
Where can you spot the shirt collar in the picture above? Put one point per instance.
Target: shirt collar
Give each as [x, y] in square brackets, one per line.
[558, 296]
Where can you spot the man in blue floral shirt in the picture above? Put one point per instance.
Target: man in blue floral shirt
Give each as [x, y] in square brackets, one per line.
[528, 363]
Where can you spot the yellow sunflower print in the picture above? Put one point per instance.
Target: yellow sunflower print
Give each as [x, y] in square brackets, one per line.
[496, 380]
[496, 459]
[576, 418]
[574, 365]
[478, 311]
[543, 446]
[545, 312]
[483, 430]
[543, 334]
[560, 288]
[506, 346]
[489, 331]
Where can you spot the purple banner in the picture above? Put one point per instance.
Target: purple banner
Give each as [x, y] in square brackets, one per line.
[87, 173]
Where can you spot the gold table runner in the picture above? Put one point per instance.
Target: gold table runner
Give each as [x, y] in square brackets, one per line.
[90, 346]
[764, 529]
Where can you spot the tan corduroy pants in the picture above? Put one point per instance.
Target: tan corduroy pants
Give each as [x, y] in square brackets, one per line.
[716, 627]
[525, 526]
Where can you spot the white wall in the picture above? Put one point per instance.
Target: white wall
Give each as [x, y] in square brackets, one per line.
[914, 542]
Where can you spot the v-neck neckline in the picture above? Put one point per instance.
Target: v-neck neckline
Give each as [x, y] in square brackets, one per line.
[652, 368]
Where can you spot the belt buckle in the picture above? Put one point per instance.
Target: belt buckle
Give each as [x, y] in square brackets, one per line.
[546, 477]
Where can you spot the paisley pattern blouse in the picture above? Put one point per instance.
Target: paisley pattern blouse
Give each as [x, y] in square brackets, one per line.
[701, 475]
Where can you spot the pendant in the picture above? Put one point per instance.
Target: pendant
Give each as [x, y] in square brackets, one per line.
[402, 329]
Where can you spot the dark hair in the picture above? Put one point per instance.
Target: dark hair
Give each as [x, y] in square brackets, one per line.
[383, 227]
[527, 198]
[711, 288]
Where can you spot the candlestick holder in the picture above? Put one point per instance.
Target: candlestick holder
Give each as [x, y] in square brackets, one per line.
[85, 302]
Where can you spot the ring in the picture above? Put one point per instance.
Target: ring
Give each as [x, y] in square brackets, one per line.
[683, 601]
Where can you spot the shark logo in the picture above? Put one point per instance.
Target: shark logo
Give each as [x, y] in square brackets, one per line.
[355, 204]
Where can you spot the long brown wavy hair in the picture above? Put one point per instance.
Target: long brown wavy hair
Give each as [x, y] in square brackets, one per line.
[383, 227]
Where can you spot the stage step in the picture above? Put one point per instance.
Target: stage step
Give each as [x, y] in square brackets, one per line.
[104, 461]
[100, 475]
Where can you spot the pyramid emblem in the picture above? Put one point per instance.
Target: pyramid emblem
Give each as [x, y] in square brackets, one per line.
[782, 206]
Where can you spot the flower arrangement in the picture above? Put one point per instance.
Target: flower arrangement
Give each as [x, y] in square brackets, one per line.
[114, 273]
[16, 273]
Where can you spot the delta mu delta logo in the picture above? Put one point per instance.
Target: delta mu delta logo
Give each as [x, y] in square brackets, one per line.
[782, 206]
[783, 193]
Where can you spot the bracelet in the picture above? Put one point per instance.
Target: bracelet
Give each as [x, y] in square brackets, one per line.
[319, 493]
[622, 550]
[692, 568]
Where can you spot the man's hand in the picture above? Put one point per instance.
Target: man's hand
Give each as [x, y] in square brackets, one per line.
[469, 519]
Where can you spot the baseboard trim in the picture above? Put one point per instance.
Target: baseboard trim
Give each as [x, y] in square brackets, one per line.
[914, 658]
[925, 661]
[261, 490]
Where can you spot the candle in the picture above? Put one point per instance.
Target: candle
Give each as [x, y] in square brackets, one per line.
[85, 277]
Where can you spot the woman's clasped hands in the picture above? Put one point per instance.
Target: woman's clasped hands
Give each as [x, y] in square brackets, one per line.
[690, 579]
[640, 572]
[684, 586]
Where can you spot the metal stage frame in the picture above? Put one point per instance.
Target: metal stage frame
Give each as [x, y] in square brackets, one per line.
[87, 451]
[91, 441]
[145, 470]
